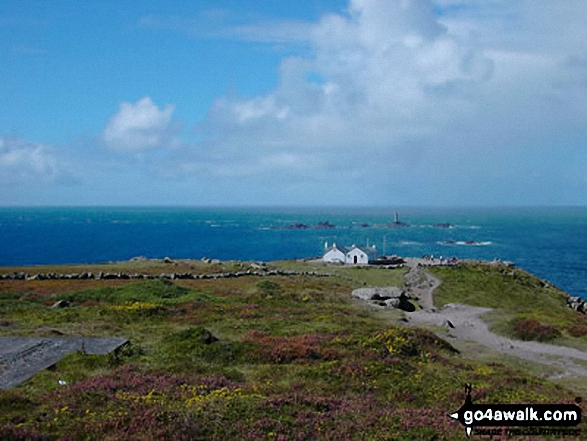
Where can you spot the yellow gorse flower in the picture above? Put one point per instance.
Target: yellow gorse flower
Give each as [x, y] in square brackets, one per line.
[135, 306]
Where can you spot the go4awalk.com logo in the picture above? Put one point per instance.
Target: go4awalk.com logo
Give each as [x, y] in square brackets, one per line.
[524, 419]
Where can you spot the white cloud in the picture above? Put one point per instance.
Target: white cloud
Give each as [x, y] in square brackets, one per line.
[141, 126]
[258, 108]
[380, 75]
[27, 162]
[432, 94]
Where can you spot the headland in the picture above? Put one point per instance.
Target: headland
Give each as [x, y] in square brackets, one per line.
[233, 349]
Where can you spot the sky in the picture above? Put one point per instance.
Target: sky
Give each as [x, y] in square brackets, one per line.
[312, 103]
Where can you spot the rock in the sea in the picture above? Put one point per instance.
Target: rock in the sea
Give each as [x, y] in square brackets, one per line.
[167, 260]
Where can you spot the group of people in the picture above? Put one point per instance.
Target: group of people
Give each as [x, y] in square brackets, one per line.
[442, 260]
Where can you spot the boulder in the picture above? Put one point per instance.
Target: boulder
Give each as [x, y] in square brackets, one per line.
[406, 305]
[138, 259]
[392, 303]
[60, 304]
[207, 337]
[388, 292]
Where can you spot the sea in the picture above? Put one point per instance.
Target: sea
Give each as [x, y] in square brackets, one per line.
[550, 242]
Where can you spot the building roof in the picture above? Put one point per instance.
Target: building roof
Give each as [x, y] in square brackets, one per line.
[334, 246]
[366, 250]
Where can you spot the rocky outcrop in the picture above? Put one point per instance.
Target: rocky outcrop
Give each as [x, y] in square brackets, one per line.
[60, 304]
[387, 297]
[138, 259]
[578, 304]
[382, 293]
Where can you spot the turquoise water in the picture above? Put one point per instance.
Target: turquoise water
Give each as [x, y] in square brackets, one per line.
[550, 242]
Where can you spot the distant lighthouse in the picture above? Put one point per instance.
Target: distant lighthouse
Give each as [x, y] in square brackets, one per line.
[396, 222]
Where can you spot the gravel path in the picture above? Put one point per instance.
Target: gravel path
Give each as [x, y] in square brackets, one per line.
[464, 323]
[421, 284]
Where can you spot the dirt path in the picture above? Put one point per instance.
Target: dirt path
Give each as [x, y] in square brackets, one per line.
[421, 284]
[465, 324]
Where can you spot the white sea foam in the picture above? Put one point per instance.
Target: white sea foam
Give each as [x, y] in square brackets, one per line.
[470, 243]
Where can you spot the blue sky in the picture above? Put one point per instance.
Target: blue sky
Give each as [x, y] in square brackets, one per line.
[359, 102]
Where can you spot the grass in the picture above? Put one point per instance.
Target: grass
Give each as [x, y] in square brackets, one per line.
[524, 306]
[153, 267]
[359, 276]
[282, 357]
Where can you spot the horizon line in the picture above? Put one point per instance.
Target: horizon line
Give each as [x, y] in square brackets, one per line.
[295, 206]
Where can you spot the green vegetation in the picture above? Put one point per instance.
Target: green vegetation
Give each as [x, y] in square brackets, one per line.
[525, 307]
[358, 275]
[281, 357]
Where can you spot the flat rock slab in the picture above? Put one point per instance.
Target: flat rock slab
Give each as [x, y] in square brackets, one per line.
[23, 357]
[377, 293]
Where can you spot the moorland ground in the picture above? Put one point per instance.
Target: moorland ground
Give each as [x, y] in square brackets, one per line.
[274, 357]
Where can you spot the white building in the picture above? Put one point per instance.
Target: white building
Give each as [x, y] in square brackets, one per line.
[353, 255]
[334, 254]
[361, 255]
